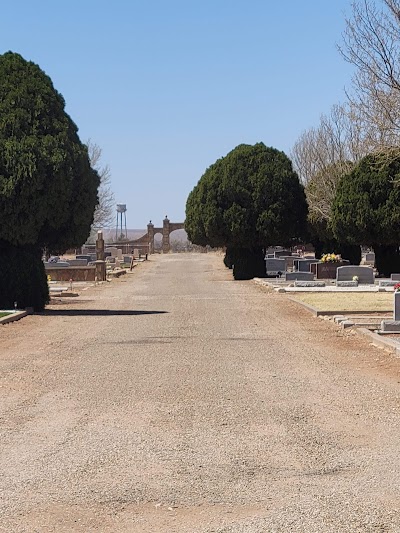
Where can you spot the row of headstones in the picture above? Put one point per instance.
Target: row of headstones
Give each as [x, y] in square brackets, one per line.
[344, 274]
[293, 260]
[278, 262]
[112, 255]
[279, 265]
[110, 251]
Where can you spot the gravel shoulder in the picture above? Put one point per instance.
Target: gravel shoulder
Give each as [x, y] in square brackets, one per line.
[176, 400]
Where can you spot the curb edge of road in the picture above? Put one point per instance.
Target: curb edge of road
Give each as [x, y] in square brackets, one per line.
[13, 317]
[379, 341]
[374, 338]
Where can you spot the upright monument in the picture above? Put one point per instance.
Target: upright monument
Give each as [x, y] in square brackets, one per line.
[100, 262]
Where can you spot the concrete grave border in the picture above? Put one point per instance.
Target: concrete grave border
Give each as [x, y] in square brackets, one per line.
[14, 316]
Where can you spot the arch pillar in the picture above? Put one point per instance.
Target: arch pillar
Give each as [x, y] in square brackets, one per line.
[150, 233]
[165, 235]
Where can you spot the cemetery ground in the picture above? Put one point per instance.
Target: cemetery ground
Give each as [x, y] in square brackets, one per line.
[177, 400]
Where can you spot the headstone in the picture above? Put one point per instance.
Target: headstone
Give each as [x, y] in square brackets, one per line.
[309, 283]
[300, 276]
[390, 326]
[326, 270]
[119, 254]
[88, 257]
[281, 253]
[59, 264]
[395, 277]
[393, 326]
[101, 274]
[113, 251]
[347, 324]
[365, 274]
[303, 265]
[78, 262]
[273, 266]
[127, 259]
[387, 283]
[136, 253]
[370, 258]
[110, 259]
[288, 261]
[346, 283]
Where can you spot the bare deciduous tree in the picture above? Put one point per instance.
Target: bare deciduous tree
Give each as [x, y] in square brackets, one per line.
[104, 213]
[371, 42]
[322, 155]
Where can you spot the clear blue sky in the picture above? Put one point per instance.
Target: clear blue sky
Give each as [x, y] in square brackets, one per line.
[167, 87]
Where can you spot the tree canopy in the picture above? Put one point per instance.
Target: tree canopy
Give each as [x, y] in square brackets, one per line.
[251, 198]
[366, 208]
[48, 190]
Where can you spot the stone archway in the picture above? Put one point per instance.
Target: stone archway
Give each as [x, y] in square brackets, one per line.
[167, 228]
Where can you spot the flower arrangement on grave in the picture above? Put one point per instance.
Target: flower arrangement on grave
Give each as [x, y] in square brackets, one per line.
[355, 278]
[396, 288]
[331, 258]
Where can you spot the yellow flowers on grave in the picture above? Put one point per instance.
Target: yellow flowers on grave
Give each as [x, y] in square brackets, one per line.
[48, 277]
[331, 258]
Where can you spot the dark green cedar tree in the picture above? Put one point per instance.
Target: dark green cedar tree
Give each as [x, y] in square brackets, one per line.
[366, 209]
[48, 190]
[246, 201]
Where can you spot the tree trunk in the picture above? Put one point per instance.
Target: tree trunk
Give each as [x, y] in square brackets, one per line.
[248, 263]
[387, 259]
[23, 281]
[351, 252]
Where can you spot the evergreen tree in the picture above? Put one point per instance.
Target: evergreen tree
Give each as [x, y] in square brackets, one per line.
[246, 201]
[366, 209]
[48, 190]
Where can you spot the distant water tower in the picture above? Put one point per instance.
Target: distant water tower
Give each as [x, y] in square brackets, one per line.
[121, 217]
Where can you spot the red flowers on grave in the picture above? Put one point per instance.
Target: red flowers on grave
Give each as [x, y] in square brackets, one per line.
[396, 288]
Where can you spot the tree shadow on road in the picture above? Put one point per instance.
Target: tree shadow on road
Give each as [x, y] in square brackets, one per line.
[97, 312]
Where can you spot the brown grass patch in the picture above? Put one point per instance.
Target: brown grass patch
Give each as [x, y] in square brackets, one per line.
[368, 302]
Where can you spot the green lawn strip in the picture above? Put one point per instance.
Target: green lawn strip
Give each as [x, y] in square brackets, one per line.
[368, 302]
[4, 314]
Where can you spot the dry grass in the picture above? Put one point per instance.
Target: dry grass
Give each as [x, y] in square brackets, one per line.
[369, 302]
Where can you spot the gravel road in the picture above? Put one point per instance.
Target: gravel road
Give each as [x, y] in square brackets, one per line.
[177, 400]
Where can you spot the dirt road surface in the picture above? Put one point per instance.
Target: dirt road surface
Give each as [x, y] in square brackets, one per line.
[177, 400]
